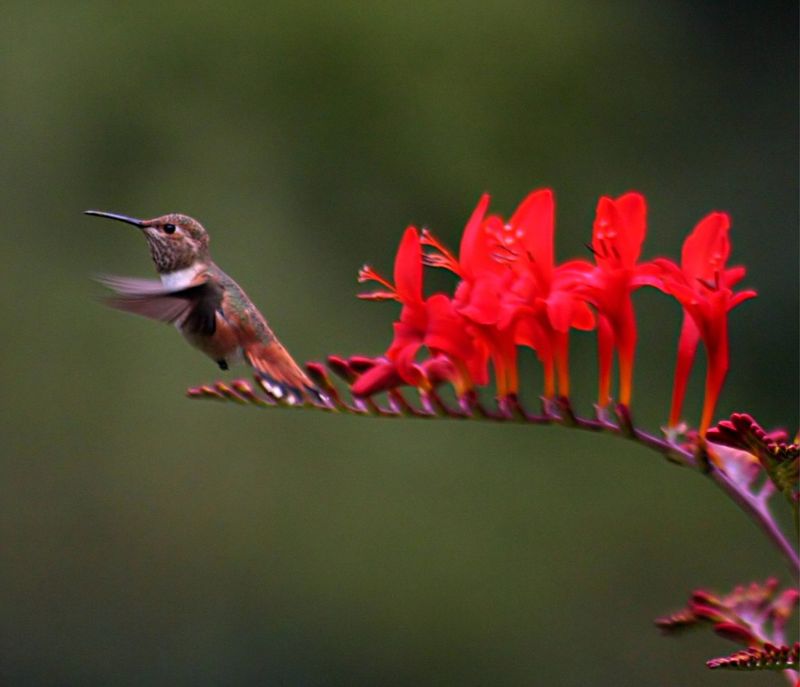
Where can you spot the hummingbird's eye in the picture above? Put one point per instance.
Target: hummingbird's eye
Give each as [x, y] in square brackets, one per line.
[169, 228]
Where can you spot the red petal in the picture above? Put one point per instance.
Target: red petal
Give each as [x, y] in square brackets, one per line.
[413, 320]
[478, 364]
[474, 253]
[716, 370]
[741, 297]
[439, 369]
[582, 317]
[619, 230]
[379, 378]
[706, 249]
[664, 269]
[605, 360]
[483, 306]
[573, 271]
[559, 310]
[687, 348]
[733, 275]
[408, 268]
[632, 209]
[404, 336]
[654, 273]
[403, 357]
[446, 329]
[535, 216]
[625, 340]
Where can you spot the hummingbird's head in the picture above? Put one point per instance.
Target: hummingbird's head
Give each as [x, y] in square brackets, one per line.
[176, 241]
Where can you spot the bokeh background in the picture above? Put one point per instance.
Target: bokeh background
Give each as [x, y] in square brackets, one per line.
[152, 540]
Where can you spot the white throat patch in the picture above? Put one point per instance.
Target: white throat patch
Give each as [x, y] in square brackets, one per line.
[180, 279]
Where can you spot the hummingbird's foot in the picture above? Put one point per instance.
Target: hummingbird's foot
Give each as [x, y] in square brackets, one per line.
[223, 364]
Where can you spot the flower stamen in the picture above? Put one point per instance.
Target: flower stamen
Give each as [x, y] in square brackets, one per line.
[444, 259]
[367, 273]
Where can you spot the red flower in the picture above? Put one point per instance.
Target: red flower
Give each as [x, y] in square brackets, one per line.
[512, 292]
[479, 295]
[619, 229]
[382, 374]
[432, 323]
[702, 285]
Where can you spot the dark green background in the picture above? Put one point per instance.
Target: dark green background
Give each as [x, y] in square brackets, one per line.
[151, 540]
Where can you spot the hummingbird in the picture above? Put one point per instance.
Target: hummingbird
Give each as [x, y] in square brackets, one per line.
[209, 308]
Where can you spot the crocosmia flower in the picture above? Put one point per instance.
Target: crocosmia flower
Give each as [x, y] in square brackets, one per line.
[618, 233]
[431, 322]
[512, 291]
[479, 296]
[543, 299]
[702, 285]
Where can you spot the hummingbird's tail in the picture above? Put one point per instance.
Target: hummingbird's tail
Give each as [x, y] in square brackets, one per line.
[281, 375]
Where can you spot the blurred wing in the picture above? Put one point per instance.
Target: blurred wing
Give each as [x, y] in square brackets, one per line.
[194, 308]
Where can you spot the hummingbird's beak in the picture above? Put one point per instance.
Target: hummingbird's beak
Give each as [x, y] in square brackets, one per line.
[122, 218]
